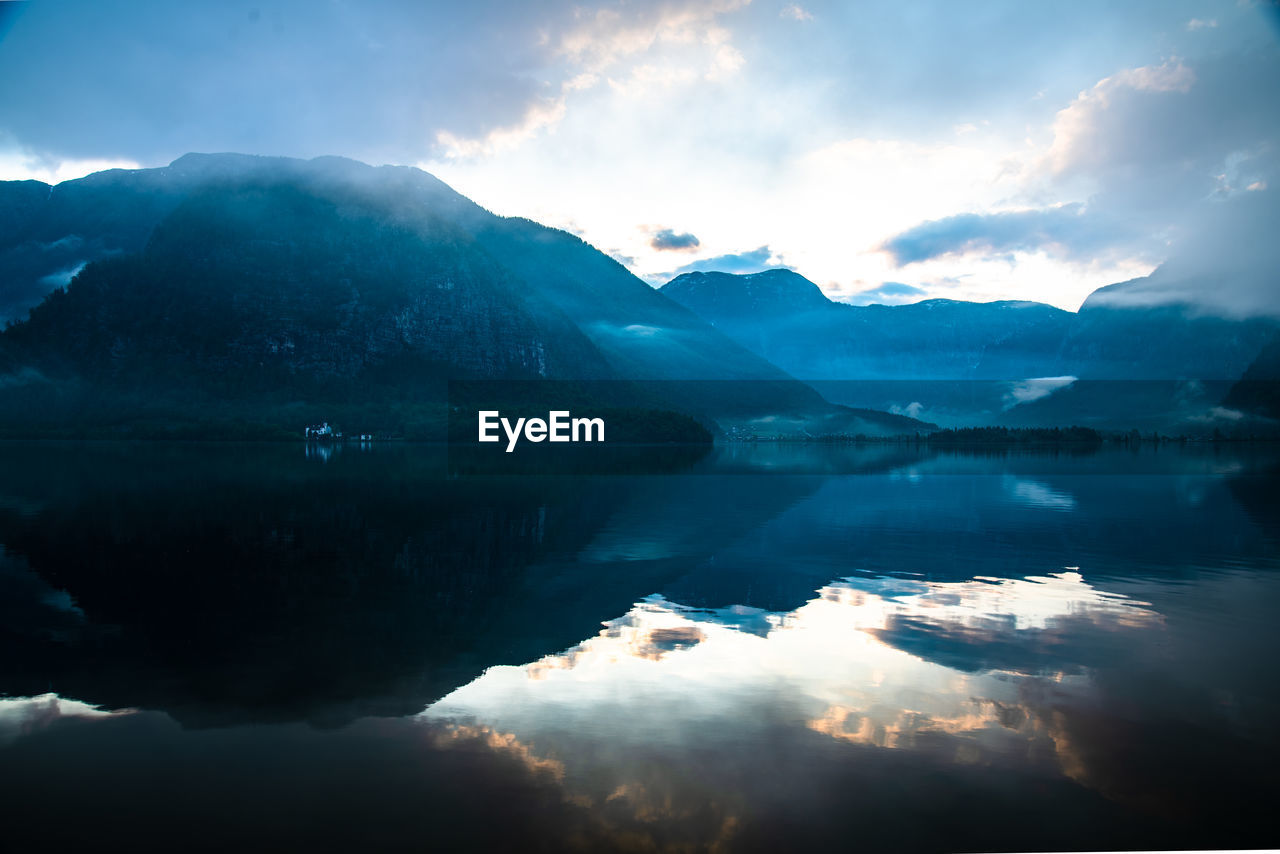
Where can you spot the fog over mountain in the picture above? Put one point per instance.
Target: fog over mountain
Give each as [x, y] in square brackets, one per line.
[1228, 266]
[276, 289]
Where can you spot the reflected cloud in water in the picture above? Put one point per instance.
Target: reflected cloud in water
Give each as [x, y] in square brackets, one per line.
[1033, 493]
[1017, 664]
[22, 716]
[665, 679]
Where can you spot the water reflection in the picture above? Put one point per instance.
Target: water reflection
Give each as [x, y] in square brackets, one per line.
[321, 451]
[1034, 493]
[22, 716]
[871, 661]
[1017, 652]
[957, 680]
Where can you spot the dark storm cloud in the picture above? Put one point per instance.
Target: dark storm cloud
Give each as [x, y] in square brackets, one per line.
[666, 239]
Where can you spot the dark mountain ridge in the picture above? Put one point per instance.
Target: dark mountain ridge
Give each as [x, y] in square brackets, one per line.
[287, 290]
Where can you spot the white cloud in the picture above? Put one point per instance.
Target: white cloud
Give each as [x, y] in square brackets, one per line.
[911, 410]
[540, 116]
[795, 13]
[601, 40]
[1076, 128]
[22, 716]
[743, 163]
[647, 80]
[726, 61]
[18, 165]
[1201, 24]
[639, 51]
[1035, 389]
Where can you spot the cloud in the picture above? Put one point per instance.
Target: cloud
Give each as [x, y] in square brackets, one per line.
[1085, 132]
[537, 117]
[795, 13]
[598, 46]
[387, 82]
[1150, 144]
[1067, 231]
[1037, 494]
[1102, 130]
[1026, 391]
[601, 39]
[297, 78]
[1226, 266]
[1200, 24]
[62, 278]
[1166, 162]
[1182, 154]
[667, 240]
[1217, 414]
[754, 261]
[17, 164]
[22, 716]
[888, 293]
[911, 410]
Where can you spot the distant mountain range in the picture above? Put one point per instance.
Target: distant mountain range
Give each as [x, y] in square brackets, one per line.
[238, 295]
[1114, 364]
[785, 318]
[251, 290]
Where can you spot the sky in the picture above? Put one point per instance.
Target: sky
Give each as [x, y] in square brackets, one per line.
[888, 151]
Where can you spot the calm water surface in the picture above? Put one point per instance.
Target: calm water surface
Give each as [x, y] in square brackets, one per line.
[768, 648]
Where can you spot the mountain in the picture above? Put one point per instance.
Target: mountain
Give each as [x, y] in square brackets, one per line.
[48, 233]
[1113, 337]
[273, 290]
[744, 297]
[787, 319]
[1118, 362]
[1258, 391]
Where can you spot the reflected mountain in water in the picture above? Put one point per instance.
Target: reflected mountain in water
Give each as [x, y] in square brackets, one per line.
[840, 662]
[227, 584]
[699, 728]
[1020, 650]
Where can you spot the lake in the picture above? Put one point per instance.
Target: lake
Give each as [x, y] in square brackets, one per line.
[763, 647]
